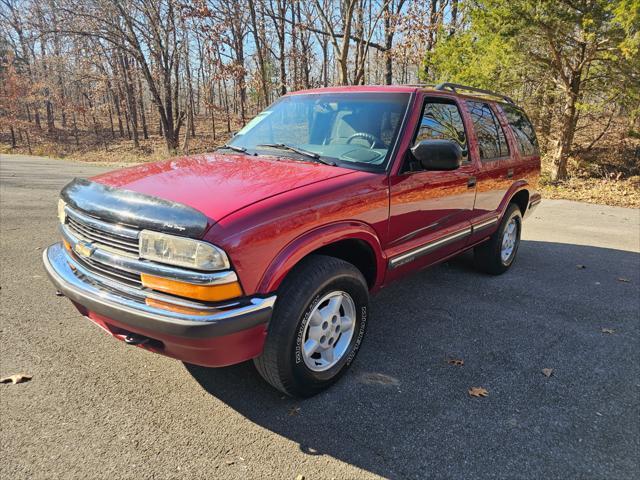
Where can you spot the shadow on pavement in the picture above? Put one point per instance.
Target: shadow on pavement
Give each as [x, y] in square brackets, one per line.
[404, 412]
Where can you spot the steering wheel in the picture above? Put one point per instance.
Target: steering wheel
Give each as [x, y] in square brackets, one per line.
[372, 139]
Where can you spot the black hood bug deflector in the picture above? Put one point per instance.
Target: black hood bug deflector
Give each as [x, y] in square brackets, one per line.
[125, 207]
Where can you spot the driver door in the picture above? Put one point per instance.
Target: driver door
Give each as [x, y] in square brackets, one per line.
[430, 211]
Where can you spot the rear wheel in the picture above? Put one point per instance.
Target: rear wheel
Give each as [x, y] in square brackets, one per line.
[317, 326]
[497, 254]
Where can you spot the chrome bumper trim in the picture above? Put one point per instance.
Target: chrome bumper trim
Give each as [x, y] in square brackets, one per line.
[417, 252]
[127, 305]
[133, 265]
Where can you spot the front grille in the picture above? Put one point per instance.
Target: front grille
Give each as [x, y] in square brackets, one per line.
[115, 274]
[97, 232]
[117, 239]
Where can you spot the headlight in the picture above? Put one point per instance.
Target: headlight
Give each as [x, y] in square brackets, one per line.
[180, 251]
[62, 216]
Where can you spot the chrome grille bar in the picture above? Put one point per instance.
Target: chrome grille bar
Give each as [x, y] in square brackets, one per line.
[113, 273]
[94, 223]
[91, 229]
[99, 237]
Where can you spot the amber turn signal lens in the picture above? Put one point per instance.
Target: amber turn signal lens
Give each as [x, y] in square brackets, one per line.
[209, 293]
[67, 245]
[152, 302]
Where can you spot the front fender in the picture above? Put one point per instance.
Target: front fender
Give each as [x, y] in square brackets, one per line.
[317, 238]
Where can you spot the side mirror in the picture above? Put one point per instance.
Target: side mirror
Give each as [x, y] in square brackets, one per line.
[438, 154]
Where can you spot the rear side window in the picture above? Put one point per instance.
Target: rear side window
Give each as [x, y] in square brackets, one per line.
[491, 140]
[522, 130]
[443, 121]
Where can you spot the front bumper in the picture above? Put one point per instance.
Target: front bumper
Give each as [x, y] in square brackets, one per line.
[216, 335]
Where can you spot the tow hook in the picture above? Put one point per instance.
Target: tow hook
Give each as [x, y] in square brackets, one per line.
[133, 339]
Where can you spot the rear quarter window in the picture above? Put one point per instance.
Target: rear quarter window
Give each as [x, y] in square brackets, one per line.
[522, 130]
[492, 142]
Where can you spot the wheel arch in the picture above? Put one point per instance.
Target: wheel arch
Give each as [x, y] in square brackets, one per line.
[521, 198]
[354, 242]
[518, 194]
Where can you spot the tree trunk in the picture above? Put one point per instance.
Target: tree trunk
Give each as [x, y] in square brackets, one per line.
[187, 131]
[113, 132]
[143, 117]
[568, 127]
[304, 41]
[259, 53]
[213, 122]
[282, 11]
[565, 142]
[131, 102]
[26, 132]
[388, 43]
[75, 129]
[13, 137]
[116, 105]
[454, 17]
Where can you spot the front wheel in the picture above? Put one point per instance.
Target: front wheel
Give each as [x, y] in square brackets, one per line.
[317, 326]
[497, 254]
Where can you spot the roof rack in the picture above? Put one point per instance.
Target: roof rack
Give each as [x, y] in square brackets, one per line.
[454, 87]
[432, 85]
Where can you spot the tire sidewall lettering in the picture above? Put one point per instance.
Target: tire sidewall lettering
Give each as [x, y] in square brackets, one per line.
[361, 330]
[301, 328]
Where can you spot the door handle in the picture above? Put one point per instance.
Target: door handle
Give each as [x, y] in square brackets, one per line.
[510, 173]
[471, 182]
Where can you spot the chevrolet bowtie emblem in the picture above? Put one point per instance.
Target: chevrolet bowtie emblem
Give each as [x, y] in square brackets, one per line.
[83, 249]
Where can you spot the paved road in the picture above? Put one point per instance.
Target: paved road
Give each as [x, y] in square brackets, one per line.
[97, 408]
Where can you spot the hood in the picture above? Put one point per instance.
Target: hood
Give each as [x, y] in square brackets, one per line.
[218, 185]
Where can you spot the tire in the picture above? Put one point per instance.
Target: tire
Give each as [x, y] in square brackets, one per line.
[307, 299]
[488, 257]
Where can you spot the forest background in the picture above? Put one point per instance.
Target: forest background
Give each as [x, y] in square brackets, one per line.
[140, 80]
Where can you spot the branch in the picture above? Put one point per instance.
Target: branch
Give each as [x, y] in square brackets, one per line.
[597, 139]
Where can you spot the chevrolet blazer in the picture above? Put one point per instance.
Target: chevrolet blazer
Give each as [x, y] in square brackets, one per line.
[269, 248]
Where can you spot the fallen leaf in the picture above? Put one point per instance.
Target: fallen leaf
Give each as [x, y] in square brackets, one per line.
[608, 330]
[547, 372]
[458, 362]
[293, 411]
[373, 378]
[17, 378]
[580, 267]
[625, 280]
[478, 392]
[229, 462]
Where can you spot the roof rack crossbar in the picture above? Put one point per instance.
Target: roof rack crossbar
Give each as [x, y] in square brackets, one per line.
[454, 87]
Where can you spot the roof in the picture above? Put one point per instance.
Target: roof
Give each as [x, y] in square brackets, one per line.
[361, 88]
[441, 89]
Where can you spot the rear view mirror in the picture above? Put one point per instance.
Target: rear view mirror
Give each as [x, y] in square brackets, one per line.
[438, 154]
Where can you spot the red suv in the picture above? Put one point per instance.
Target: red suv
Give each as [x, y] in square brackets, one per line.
[269, 248]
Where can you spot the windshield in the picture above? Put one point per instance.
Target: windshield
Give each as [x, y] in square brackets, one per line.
[353, 130]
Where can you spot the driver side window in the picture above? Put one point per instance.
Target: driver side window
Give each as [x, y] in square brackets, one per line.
[443, 121]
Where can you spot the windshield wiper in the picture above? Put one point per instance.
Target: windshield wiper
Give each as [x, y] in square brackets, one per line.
[234, 148]
[306, 153]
